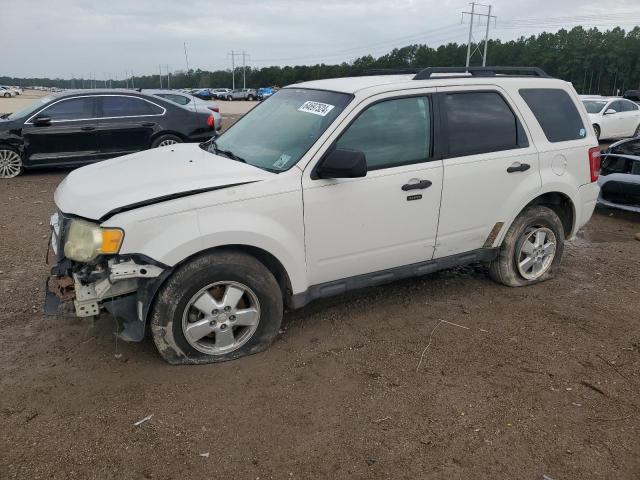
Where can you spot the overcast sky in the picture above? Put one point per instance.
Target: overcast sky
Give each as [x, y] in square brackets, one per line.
[58, 38]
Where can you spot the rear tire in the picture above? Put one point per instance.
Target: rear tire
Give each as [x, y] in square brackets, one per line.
[229, 98]
[216, 333]
[250, 98]
[165, 140]
[521, 260]
[7, 95]
[596, 128]
[637, 132]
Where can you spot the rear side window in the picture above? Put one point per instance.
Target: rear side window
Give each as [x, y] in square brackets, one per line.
[556, 113]
[116, 106]
[480, 122]
[179, 99]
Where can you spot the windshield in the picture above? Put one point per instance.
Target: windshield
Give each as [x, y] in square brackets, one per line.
[594, 106]
[279, 131]
[32, 107]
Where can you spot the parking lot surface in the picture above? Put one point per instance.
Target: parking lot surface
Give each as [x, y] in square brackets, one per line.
[446, 376]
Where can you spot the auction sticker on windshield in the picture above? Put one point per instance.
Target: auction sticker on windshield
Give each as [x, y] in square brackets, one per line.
[316, 108]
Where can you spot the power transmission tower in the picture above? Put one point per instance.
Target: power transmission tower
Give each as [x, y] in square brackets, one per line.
[233, 66]
[472, 14]
[160, 75]
[168, 78]
[244, 69]
[186, 58]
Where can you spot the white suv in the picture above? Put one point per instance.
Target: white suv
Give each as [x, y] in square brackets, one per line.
[329, 186]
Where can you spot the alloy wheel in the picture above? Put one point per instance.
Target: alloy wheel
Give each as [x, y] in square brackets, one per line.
[166, 142]
[221, 317]
[536, 252]
[10, 164]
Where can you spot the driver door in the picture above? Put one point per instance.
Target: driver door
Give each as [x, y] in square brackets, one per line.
[355, 226]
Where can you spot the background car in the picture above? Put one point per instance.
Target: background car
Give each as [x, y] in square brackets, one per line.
[243, 94]
[265, 92]
[75, 128]
[190, 102]
[613, 117]
[220, 93]
[7, 92]
[620, 176]
[202, 93]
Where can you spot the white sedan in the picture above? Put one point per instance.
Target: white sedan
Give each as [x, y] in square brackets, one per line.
[613, 117]
[7, 92]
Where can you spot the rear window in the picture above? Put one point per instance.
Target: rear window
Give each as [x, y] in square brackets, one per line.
[556, 113]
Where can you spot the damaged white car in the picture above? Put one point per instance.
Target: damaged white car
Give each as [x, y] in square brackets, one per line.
[620, 176]
[328, 186]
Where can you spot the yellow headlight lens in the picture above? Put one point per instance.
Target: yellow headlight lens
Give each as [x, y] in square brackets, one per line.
[86, 240]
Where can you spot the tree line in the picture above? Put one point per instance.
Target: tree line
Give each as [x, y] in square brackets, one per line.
[596, 62]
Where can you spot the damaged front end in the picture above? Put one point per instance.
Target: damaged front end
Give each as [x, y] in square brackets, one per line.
[620, 176]
[124, 285]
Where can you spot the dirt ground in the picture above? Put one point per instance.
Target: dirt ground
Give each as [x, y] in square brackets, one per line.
[521, 383]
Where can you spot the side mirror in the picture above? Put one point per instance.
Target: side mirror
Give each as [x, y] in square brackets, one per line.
[41, 120]
[343, 164]
[610, 111]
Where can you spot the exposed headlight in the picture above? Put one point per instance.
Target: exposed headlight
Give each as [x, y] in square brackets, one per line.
[86, 240]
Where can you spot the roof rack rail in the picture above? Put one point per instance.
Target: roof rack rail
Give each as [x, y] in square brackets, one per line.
[386, 71]
[427, 73]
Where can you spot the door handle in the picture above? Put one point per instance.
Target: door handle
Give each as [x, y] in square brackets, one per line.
[88, 128]
[148, 124]
[518, 167]
[421, 185]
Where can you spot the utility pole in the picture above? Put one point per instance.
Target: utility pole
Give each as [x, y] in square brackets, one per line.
[160, 75]
[168, 78]
[233, 67]
[472, 15]
[132, 83]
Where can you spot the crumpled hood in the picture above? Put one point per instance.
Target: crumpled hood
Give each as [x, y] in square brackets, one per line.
[141, 178]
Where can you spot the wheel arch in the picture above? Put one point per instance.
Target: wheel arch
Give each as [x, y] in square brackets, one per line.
[155, 136]
[270, 262]
[560, 202]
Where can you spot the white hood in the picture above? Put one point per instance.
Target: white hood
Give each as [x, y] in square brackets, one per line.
[95, 190]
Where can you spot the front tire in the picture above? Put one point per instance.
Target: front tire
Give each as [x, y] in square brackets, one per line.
[531, 250]
[218, 307]
[165, 140]
[250, 98]
[10, 163]
[7, 95]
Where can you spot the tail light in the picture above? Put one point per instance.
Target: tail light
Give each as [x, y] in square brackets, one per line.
[214, 109]
[211, 122]
[594, 163]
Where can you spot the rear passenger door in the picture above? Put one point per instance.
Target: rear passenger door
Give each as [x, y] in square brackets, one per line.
[490, 166]
[126, 124]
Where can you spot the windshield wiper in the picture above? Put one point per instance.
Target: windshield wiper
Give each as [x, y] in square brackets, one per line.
[227, 153]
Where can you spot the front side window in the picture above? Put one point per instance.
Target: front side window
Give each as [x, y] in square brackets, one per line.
[72, 109]
[617, 106]
[391, 133]
[119, 106]
[480, 122]
[594, 106]
[556, 113]
[276, 134]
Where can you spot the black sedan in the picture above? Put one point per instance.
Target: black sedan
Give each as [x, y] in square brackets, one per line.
[76, 128]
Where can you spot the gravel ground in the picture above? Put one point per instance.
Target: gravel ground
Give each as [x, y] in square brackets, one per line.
[446, 376]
